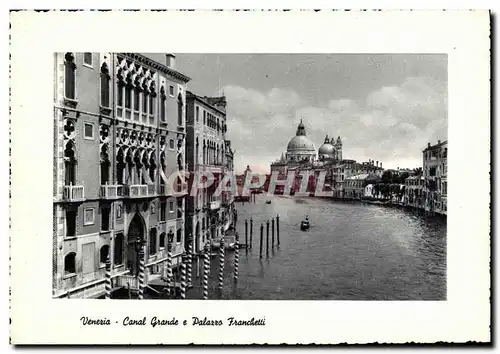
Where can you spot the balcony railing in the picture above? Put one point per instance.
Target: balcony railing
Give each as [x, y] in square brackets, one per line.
[111, 191]
[73, 193]
[141, 191]
[128, 280]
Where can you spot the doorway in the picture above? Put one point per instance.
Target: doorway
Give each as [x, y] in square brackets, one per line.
[134, 239]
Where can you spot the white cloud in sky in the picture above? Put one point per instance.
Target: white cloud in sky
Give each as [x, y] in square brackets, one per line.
[392, 124]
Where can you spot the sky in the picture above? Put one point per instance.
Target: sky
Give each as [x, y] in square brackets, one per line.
[384, 107]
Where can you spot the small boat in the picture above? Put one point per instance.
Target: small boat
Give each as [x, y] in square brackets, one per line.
[268, 202]
[304, 225]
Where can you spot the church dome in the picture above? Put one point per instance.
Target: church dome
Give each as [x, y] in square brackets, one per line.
[300, 143]
[327, 148]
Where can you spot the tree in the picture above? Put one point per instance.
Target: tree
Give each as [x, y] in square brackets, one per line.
[403, 177]
[387, 177]
[418, 171]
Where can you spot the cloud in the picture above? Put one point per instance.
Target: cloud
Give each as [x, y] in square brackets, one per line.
[391, 124]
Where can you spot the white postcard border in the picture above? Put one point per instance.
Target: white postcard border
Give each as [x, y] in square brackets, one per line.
[464, 36]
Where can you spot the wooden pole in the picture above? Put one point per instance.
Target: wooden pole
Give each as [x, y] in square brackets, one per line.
[189, 259]
[206, 270]
[267, 238]
[261, 237]
[184, 263]
[272, 233]
[108, 278]
[251, 232]
[236, 256]
[141, 272]
[170, 274]
[246, 234]
[278, 229]
[221, 266]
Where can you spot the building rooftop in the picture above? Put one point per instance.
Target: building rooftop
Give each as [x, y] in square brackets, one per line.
[438, 145]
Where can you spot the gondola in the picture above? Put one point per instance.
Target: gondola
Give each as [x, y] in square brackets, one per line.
[268, 202]
[304, 225]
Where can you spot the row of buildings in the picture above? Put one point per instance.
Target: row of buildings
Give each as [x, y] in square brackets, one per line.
[301, 155]
[424, 188]
[123, 123]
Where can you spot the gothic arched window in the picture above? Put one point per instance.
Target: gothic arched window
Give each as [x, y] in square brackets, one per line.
[152, 167]
[104, 85]
[104, 164]
[120, 165]
[137, 94]
[69, 164]
[180, 105]
[69, 76]
[152, 97]
[163, 240]
[145, 94]
[163, 104]
[128, 92]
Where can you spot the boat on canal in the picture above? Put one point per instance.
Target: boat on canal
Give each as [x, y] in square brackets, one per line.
[304, 224]
[268, 202]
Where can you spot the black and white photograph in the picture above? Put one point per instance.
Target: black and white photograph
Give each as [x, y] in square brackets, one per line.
[301, 177]
[257, 182]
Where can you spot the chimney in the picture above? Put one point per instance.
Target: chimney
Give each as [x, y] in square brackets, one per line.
[380, 164]
[439, 141]
[428, 145]
[170, 60]
[377, 164]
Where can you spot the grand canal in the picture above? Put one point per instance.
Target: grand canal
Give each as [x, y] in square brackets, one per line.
[351, 252]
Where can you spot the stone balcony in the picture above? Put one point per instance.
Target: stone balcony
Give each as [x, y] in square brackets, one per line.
[73, 193]
[110, 191]
[140, 191]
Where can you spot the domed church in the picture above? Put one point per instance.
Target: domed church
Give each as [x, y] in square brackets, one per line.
[301, 151]
[300, 148]
[330, 150]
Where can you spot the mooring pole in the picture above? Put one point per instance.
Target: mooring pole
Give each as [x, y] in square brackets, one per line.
[189, 258]
[184, 263]
[108, 278]
[272, 233]
[267, 238]
[170, 274]
[221, 266]
[278, 229]
[141, 273]
[251, 233]
[261, 237]
[236, 256]
[206, 270]
[246, 234]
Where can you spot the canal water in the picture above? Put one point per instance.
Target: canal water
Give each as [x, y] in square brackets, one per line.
[352, 251]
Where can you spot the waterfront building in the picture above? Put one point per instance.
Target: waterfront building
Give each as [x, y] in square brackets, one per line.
[301, 155]
[355, 187]
[435, 167]
[119, 123]
[208, 215]
[414, 191]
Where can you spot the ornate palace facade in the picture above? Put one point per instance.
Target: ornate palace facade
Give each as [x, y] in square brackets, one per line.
[119, 123]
